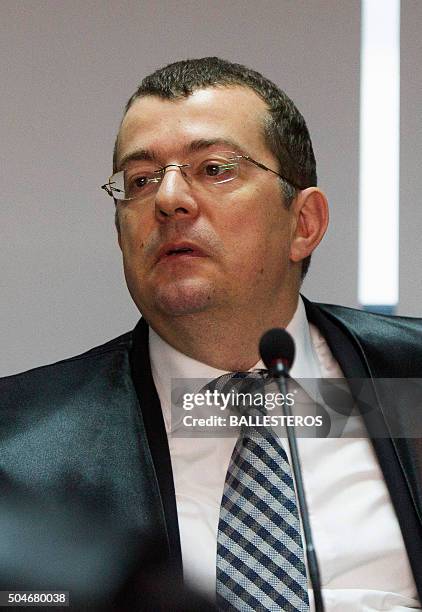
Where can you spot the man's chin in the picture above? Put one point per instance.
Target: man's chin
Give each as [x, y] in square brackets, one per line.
[184, 297]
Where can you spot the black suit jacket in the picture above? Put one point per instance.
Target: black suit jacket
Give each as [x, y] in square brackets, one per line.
[92, 426]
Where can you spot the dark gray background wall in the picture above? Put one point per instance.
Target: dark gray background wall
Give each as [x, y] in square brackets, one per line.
[410, 269]
[67, 69]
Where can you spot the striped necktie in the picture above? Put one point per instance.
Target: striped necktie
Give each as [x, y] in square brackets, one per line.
[260, 558]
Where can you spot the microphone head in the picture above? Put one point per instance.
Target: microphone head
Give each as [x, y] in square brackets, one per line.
[277, 345]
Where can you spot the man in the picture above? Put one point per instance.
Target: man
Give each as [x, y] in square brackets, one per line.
[217, 214]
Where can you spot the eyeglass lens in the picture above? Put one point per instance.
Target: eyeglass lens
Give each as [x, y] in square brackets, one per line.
[142, 178]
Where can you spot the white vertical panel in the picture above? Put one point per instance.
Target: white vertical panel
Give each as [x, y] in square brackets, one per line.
[379, 153]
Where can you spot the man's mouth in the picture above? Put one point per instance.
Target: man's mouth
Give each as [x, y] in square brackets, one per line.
[175, 250]
[172, 252]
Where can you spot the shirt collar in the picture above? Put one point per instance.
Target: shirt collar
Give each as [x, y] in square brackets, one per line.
[167, 363]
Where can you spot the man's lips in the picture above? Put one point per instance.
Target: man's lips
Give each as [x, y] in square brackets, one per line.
[179, 249]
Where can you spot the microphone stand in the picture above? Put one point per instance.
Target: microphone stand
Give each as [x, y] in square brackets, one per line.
[280, 372]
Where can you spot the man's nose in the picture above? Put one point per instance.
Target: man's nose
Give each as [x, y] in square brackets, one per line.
[174, 197]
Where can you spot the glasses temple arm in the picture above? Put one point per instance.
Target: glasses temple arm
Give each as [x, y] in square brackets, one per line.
[263, 167]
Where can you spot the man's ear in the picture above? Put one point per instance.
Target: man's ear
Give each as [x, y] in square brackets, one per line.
[310, 212]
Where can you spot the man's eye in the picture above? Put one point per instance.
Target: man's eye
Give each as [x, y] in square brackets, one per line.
[140, 181]
[140, 185]
[213, 169]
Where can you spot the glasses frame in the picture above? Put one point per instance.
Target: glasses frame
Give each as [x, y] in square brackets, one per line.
[236, 156]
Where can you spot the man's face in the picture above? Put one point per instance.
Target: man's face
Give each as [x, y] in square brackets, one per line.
[239, 233]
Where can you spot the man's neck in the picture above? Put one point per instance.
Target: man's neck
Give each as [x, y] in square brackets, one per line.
[228, 342]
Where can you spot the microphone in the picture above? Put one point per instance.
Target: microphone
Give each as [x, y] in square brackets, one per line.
[277, 350]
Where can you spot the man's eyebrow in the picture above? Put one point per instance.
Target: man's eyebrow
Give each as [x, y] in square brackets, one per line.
[195, 145]
[204, 143]
[136, 155]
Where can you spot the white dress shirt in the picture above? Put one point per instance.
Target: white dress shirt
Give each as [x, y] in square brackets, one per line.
[362, 558]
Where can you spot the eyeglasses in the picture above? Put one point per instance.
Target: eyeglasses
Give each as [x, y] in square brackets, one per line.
[205, 171]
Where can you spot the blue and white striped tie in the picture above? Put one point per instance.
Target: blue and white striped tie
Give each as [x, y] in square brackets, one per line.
[260, 558]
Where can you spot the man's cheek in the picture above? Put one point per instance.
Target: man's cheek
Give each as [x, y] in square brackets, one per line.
[132, 240]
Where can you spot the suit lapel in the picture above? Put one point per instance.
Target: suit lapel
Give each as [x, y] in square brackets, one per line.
[400, 458]
[157, 439]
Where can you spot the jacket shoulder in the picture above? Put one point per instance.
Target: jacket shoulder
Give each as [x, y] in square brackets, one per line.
[107, 352]
[371, 323]
[392, 344]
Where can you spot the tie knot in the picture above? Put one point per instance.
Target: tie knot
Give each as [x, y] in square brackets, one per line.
[243, 387]
[238, 381]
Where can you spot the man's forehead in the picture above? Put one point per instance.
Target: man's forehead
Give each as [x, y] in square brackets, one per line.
[232, 110]
[237, 98]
